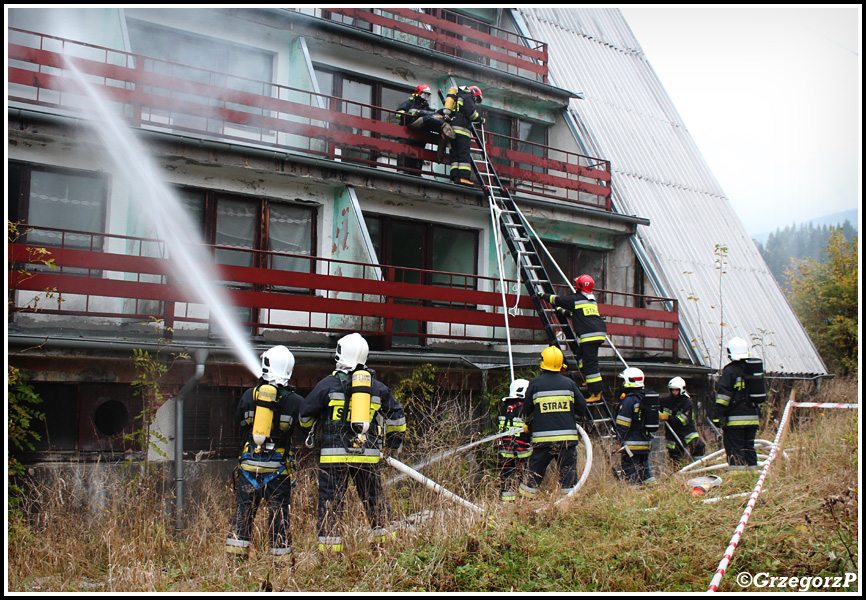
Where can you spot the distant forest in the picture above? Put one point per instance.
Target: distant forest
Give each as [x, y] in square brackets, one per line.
[798, 243]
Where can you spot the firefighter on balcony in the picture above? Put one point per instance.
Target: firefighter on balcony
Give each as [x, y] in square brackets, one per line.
[677, 411]
[515, 449]
[416, 114]
[588, 325]
[739, 393]
[460, 105]
[636, 420]
[552, 408]
[267, 415]
[352, 415]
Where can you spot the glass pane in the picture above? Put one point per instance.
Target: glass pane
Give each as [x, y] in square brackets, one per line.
[289, 231]
[536, 133]
[454, 250]
[69, 202]
[236, 226]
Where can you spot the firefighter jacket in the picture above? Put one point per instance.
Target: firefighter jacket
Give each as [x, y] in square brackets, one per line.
[413, 107]
[733, 407]
[553, 404]
[630, 422]
[513, 446]
[274, 455]
[680, 411]
[327, 406]
[588, 323]
[464, 113]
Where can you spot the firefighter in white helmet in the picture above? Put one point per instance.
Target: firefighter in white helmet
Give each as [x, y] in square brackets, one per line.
[677, 411]
[515, 449]
[737, 408]
[355, 416]
[637, 419]
[267, 415]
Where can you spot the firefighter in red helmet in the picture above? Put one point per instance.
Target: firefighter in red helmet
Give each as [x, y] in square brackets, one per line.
[416, 114]
[589, 327]
[462, 104]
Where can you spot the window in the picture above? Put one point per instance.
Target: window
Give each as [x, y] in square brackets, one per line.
[62, 207]
[364, 98]
[512, 133]
[574, 261]
[421, 247]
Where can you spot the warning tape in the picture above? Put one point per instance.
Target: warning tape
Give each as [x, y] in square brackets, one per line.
[729, 553]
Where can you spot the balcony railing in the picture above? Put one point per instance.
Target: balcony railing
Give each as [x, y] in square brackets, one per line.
[158, 95]
[116, 283]
[451, 33]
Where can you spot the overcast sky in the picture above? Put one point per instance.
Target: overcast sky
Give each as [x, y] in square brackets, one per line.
[772, 96]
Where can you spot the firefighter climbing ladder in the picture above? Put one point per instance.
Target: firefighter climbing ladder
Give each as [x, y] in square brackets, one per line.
[531, 271]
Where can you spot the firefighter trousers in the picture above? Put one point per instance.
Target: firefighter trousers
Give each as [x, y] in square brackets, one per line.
[250, 490]
[333, 485]
[588, 361]
[564, 453]
[740, 447]
[511, 470]
[636, 468]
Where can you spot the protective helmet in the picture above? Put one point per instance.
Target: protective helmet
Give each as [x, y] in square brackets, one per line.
[738, 349]
[352, 351]
[518, 388]
[584, 283]
[551, 359]
[277, 365]
[677, 383]
[477, 97]
[633, 377]
[422, 89]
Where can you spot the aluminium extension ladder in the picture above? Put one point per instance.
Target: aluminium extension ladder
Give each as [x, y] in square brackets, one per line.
[534, 276]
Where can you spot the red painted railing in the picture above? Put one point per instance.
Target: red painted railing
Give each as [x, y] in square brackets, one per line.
[451, 33]
[125, 288]
[162, 96]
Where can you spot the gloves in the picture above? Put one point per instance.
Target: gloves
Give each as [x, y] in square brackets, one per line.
[541, 296]
[663, 416]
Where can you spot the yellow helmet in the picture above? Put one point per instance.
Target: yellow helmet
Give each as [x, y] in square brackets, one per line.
[551, 359]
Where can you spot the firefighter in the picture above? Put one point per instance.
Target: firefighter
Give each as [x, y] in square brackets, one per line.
[636, 420]
[416, 114]
[354, 416]
[461, 102]
[588, 325]
[514, 450]
[737, 407]
[552, 407]
[267, 415]
[677, 411]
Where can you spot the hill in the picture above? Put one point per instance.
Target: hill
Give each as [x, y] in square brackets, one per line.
[833, 220]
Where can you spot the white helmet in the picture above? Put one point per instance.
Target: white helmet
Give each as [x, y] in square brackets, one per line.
[738, 349]
[518, 388]
[677, 383]
[277, 365]
[632, 376]
[352, 351]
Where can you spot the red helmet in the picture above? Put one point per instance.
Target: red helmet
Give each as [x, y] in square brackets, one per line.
[422, 89]
[584, 283]
[476, 93]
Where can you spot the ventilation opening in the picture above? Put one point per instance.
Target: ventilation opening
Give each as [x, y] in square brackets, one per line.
[111, 418]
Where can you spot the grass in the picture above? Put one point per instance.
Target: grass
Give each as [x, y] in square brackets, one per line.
[609, 538]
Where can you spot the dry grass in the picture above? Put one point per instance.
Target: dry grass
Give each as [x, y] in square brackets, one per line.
[609, 538]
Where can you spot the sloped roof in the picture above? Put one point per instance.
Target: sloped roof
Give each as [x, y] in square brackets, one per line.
[658, 172]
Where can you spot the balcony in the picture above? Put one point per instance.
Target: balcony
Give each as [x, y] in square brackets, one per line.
[115, 285]
[451, 33]
[162, 96]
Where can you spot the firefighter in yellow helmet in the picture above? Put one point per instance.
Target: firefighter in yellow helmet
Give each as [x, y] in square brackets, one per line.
[553, 405]
[267, 415]
[355, 416]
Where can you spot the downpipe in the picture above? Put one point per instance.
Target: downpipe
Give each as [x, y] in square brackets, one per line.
[200, 357]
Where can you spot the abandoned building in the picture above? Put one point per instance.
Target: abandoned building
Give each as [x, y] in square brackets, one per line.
[276, 131]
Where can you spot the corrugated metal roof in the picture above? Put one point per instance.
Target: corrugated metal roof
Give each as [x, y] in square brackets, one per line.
[659, 173]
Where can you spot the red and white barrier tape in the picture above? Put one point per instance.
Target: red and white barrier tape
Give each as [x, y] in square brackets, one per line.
[729, 553]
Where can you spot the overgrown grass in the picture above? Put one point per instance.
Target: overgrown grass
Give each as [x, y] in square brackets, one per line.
[609, 538]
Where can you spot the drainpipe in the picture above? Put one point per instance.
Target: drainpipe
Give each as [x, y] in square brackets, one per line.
[200, 357]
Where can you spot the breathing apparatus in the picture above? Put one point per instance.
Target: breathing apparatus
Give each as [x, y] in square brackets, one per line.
[450, 102]
[352, 352]
[277, 365]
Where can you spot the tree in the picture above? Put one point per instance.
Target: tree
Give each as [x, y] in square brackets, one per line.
[824, 297]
